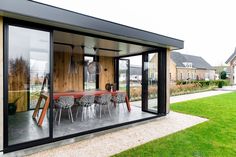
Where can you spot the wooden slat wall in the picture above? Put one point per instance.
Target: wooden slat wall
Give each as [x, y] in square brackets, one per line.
[106, 76]
[64, 81]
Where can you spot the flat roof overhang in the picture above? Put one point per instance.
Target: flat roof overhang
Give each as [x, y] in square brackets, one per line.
[48, 15]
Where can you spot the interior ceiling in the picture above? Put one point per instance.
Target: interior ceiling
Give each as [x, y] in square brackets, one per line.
[63, 41]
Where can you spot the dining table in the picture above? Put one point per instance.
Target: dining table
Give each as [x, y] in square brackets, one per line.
[80, 94]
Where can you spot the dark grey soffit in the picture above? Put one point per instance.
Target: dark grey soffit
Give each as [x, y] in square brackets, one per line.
[49, 15]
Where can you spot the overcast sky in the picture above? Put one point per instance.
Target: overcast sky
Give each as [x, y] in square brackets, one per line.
[208, 27]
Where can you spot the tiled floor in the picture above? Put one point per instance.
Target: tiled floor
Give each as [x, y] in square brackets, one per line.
[94, 122]
[23, 128]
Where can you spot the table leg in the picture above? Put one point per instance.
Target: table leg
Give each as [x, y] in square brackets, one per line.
[127, 103]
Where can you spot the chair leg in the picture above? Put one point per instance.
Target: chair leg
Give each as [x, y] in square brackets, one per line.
[82, 114]
[100, 108]
[108, 109]
[77, 112]
[90, 111]
[94, 111]
[118, 106]
[59, 120]
[71, 115]
[123, 107]
[86, 113]
[56, 115]
[68, 113]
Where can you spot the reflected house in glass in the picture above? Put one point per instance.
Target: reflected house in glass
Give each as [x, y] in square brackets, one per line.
[58, 63]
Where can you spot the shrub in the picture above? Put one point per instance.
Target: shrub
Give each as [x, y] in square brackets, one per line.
[204, 83]
[220, 84]
[223, 75]
[184, 87]
[135, 93]
[152, 91]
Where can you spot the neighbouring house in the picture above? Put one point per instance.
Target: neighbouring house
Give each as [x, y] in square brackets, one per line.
[56, 64]
[232, 63]
[135, 73]
[186, 67]
[189, 67]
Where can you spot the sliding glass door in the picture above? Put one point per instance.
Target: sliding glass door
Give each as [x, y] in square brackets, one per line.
[152, 75]
[28, 71]
[134, 78]
[124, 75]
[150, 82]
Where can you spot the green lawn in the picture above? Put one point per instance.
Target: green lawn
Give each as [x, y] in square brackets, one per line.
[216, 137]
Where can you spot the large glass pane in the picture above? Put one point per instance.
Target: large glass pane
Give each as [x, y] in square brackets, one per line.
[135, 80]
[124, 75]
[152, 81]
[89, 77]
[28, 66]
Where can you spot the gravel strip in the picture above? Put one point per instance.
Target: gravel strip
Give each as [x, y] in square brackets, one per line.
[118, 141]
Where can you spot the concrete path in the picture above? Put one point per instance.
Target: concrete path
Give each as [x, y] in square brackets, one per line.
[227, 88]
[118, 141]
[186, 97]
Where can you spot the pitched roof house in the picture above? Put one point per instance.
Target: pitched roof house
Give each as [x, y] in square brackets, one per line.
[197, 61]
[190, 67]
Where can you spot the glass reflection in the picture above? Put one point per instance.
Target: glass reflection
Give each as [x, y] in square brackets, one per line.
[152, 66]
[28, 65]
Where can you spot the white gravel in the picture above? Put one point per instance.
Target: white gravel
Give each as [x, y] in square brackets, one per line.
[118, 141]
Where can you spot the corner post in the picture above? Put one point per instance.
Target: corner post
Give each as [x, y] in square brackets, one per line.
[1, 83]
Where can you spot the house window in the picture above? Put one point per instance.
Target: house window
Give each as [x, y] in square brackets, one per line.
[188, 64]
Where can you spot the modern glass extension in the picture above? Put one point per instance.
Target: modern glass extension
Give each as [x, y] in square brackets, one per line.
[62, 84]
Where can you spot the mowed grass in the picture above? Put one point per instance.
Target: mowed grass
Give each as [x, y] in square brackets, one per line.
[215, 138]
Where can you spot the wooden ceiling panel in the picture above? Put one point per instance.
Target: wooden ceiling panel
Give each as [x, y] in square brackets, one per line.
[95, 46]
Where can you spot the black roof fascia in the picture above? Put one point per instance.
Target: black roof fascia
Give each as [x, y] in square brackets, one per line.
[49, 15]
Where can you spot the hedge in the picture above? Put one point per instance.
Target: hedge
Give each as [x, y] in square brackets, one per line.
[205, 83]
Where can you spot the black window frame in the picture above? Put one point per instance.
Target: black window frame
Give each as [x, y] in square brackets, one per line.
[161, 83]
[11, 22]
